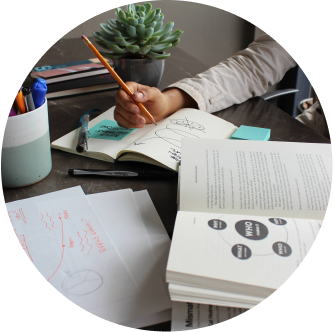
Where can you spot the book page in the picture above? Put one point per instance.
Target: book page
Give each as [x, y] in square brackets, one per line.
[281, 179]
[244, 250]
[98, 148]
[163, 143]
[190, 316]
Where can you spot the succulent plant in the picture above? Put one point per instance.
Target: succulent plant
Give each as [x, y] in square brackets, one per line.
[137, 33]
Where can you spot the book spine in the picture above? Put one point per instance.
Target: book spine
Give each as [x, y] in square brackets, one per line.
[67, 64]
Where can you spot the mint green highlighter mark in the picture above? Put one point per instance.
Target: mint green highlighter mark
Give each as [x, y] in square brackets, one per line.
[108, 129]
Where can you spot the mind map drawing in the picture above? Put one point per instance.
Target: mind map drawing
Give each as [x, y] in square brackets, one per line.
[254, 231]
[172, 133]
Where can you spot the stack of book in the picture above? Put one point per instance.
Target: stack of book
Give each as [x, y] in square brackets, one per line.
[249, 213]
[74, 78]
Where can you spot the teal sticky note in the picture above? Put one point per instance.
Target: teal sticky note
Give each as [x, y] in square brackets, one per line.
[252, 133]
[108, 129]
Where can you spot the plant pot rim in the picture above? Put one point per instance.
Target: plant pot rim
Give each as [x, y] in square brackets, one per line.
[143, 59]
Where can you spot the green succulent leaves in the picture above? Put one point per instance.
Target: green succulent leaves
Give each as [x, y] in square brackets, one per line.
[138, 30]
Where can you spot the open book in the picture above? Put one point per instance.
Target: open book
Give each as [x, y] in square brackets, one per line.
[250, 212]
[158, 145]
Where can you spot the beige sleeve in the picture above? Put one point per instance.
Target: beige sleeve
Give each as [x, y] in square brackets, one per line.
[246, 74]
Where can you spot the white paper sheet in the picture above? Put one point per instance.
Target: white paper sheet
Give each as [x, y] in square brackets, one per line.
[122, 220]
[64, 239]
[111, 263]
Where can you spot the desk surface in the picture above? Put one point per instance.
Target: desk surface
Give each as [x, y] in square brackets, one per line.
[65, 112]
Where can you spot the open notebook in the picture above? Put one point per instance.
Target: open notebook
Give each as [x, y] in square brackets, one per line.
[158, 145]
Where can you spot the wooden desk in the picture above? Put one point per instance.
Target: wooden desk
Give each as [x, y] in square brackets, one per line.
[64, 114]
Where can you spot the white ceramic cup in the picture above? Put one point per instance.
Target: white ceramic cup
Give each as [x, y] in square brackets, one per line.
[26, 149]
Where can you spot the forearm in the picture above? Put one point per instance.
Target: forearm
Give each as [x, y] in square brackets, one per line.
[177, 99]
[246, 74]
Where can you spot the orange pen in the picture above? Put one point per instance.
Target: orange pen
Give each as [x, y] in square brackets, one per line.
[117, 78]
[20, 102]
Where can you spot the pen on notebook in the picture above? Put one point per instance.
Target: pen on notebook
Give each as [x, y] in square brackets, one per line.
[117, 78]
[28, 101]
[118, 174]
[82, 141]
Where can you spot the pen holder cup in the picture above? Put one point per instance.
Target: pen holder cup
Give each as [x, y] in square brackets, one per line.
[26, 149]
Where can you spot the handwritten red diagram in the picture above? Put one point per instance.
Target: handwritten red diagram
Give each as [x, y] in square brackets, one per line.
[86, 240]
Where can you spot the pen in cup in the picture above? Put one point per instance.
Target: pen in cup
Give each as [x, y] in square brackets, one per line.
[28, 101]
[20, 102]
[38, 92]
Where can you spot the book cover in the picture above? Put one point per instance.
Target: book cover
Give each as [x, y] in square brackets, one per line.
[68, 70]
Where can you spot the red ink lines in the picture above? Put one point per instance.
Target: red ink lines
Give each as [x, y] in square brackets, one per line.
[18, 215]
[62, 245]
[71, 243]
[81, 241]
[11, 220]
[44, 221]
[21, 238]
[23, 216]
[88, 243]
[51, 220]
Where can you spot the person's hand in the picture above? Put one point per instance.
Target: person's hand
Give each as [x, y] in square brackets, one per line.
[127, 113]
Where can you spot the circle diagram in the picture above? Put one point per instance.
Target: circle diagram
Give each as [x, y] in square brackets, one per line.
[83, 282]
[282, 249]
[251, 229]
[241, 251]
[217, 224]
[277, 221]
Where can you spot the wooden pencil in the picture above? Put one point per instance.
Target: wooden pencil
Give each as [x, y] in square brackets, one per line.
[117, 78]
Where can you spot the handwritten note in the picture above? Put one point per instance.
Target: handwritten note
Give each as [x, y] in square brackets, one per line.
[64, 239]
[108, 129]
[97, 250]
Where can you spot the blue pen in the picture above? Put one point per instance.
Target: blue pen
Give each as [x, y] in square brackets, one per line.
[38, 92]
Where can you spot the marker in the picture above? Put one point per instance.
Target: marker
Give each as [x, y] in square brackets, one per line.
[82, 141]
[12, 112]
[38, 92]
[28, 101]
[121, 174]
[20, 102]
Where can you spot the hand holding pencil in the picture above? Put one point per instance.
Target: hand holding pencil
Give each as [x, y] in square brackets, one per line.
[117, 78]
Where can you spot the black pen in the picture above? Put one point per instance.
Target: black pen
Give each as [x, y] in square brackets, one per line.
[124, 174]
[28, 100]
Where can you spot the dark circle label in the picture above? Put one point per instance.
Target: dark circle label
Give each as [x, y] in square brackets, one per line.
[277, 221]
[217, 224]
[282, 249]
[252, 230]
[241, 251]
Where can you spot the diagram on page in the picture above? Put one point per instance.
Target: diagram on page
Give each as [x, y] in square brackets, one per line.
[244, 235]
[173, 131]
[70, 248]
